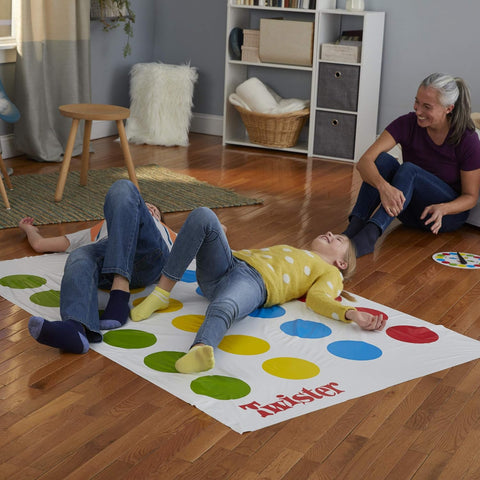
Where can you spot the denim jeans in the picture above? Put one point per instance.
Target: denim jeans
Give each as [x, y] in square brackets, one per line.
[133, 249]
[233, 287]
[420, 188]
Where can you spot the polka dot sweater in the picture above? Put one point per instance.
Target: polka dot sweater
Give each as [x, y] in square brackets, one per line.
[290, 273]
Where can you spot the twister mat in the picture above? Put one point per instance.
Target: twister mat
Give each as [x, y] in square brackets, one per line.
[276, 364]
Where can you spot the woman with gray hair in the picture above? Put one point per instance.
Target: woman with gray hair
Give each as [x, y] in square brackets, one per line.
[439, 180]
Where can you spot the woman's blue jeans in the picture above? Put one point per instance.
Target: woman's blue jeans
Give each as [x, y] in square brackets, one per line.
[420, 188]
[134, 249]
[233, 287]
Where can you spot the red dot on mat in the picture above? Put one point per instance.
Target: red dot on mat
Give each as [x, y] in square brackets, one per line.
[373, 312]
[412, 334]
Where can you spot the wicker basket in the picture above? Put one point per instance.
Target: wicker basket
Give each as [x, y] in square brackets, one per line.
[280, 131]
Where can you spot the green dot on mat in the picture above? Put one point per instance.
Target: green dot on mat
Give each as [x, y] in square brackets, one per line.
[48, 298]
[163, 361]
[22, 281]
[129, 338]
[220, 387]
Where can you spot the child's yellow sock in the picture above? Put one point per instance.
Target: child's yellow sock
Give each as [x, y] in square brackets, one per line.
[157, 300]
[198, 359]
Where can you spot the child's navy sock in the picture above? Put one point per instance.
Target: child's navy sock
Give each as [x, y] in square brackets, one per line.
[117, 310]
[366, 238]
[68, 335]
[355, 225]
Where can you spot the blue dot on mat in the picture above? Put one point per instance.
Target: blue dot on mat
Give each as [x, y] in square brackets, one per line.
[354, 350]
[270, 312]
[305, 329]
[199, 292]
[189, 276]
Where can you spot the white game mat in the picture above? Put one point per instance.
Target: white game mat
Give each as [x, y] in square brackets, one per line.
[274, 365]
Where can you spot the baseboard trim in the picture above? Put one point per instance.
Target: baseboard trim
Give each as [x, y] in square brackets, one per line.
[7, 146]
[103, 128]
[207, 124]
[201, 123]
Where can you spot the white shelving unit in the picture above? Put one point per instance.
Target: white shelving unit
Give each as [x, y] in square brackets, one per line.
[287, 80]
[302, 82]
[362, 129]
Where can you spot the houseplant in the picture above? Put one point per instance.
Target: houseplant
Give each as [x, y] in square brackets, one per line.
[113, 13]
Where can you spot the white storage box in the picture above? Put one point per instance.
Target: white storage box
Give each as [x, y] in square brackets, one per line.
[285, 41]
[341, 53]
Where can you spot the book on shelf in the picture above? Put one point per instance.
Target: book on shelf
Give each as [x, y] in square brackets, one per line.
[299, 4]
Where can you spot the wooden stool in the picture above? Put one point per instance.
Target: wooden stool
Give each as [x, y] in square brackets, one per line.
[90, 112]
[6, 178]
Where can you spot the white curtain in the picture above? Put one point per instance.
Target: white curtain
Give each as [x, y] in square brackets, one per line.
[52, 69]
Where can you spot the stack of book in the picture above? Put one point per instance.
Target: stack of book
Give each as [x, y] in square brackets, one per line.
[251, 42]
[302, 4]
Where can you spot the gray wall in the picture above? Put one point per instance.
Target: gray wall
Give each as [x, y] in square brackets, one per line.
[194, 31]
[421, 36]
[110, 69]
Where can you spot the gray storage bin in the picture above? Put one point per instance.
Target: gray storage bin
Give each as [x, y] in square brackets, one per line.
[338, 86]
[335, 134]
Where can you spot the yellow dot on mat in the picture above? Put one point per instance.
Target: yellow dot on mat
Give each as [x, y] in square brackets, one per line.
[290, 368]
[188, 323]
[243, 345]
[173, 306]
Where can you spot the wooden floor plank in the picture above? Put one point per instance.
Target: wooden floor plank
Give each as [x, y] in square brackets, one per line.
[83, 416]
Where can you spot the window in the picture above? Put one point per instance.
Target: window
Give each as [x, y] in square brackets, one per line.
[7, 31]
[5, 18]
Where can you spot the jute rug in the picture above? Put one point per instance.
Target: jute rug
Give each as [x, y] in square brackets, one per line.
[32, 195]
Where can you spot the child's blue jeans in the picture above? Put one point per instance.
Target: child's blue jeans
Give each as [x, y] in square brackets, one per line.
[134, 249]
[233, 287]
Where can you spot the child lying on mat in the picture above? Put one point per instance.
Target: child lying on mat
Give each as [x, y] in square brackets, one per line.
[131, 256]
[237, 283]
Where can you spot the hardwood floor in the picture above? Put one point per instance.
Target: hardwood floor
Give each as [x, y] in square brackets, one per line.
[82, 416]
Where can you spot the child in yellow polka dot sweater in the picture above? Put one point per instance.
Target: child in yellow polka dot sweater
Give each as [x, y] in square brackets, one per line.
[237, 283]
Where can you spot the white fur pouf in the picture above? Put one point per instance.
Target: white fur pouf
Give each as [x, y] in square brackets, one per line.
[161, 103]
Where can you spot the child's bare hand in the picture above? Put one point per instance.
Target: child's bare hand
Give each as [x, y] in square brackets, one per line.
[367, 321]
[26, 223]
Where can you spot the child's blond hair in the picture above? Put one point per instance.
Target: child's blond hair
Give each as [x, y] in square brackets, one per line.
[351, 260]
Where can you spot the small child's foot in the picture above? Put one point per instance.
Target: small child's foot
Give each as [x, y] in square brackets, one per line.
[198, 359]
[159, 299]
[68, 335]
[117, 310]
